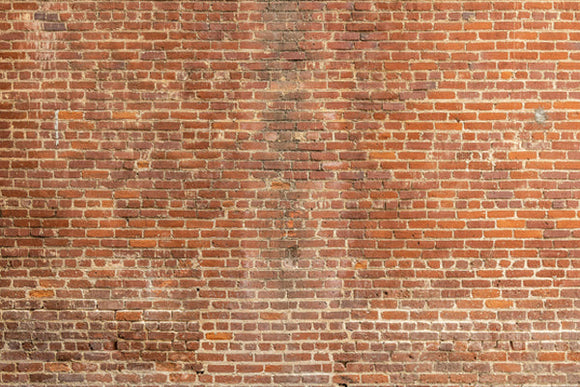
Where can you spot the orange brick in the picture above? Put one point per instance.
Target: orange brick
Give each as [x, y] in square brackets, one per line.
[143, 243]
[57, 367]
[507, 367]
[551, 356]
[127, 194]
[219, 336]
[571, 105]
[506, 74]
[524, 155]
[141, 164]
[279, 185]
[568, 223]
[361, 265]
[499, 304]
[383, 155]
[485, 293]
[41, 293]
[128, 316]
[70, 115]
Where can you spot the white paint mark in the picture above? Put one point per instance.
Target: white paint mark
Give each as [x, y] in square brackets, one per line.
[540, 116]
[56, 126]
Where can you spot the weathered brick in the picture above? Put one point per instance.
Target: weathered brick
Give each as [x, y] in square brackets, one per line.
[289, 192]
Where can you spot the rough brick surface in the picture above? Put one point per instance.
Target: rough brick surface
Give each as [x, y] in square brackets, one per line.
[296, 193]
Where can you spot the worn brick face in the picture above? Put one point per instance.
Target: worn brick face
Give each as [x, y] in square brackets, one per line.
[297, 193]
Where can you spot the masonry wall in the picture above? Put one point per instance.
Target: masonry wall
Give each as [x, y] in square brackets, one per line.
[290, 193]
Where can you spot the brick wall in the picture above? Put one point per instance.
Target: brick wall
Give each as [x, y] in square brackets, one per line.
[306, 193]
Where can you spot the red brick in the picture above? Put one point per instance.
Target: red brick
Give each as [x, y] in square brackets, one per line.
[367, 190]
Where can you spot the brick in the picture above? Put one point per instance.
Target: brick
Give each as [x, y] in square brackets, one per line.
[219, 336]
[499, 304]
[143, 243]
[551, 356]
[128, 316]
[289, 192]
[124, 115]
[70, 115]
[41, 293]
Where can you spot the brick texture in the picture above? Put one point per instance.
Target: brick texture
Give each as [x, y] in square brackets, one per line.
[291, 193]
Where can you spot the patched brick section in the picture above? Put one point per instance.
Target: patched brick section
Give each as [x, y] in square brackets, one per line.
[263, 192]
